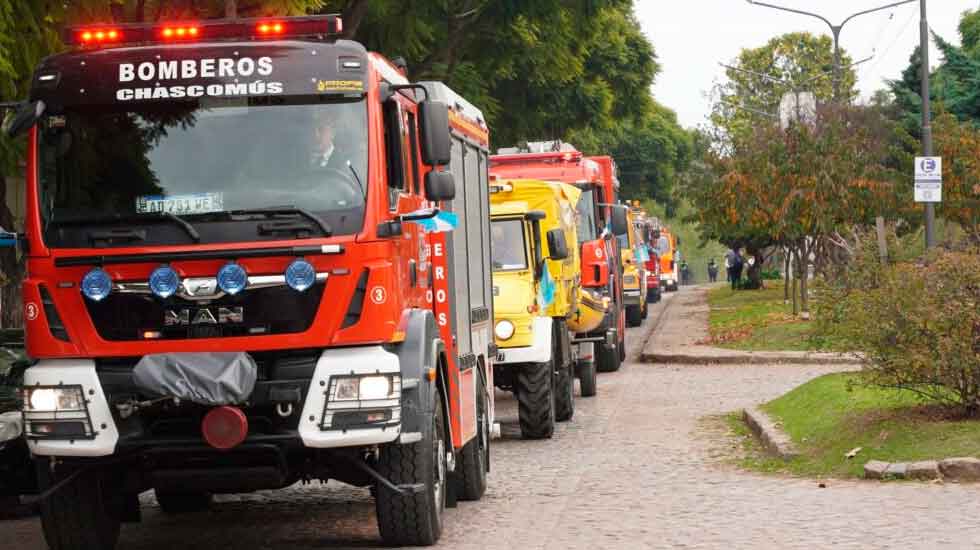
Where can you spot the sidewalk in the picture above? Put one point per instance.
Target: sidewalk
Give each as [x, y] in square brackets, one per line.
[684, 323]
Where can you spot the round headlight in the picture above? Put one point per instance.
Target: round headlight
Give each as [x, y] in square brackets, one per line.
[164, 281]
[504, 329]
[96, 284]
[232, 278]
[300, 275]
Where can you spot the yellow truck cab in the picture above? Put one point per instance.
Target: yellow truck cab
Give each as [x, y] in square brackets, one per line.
[634, 273]
[536, 283]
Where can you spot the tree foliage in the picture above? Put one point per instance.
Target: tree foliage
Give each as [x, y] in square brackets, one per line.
[788, 63]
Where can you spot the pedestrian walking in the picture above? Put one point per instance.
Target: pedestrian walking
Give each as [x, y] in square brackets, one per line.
[685, 273]
[734, 265]
[712, 271]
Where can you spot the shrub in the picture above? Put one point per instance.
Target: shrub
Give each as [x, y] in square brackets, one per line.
[918, 324]
[771, 275]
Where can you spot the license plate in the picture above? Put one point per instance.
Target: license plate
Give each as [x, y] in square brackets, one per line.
[181, 204]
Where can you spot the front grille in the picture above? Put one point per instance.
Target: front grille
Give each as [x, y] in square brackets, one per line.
[272, 310]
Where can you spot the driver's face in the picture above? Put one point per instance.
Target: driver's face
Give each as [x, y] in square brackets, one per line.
[323, 135]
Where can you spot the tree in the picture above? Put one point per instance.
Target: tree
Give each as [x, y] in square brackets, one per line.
[798, 187]
[790, 62]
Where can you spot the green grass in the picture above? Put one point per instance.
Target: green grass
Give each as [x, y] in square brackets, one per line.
[831, 415]
[758, 320]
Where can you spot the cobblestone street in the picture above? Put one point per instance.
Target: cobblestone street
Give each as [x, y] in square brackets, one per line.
[638, 467]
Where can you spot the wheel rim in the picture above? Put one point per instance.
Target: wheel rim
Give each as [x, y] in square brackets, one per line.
[440, 475]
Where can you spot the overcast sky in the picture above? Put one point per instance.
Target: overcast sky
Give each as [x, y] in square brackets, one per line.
[692, 36]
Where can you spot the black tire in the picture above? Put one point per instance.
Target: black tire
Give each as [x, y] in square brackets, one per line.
[414, 519]
[634, 317]
[84, 514]
[565, 395]
[608, 358]
[587, 378]
[536, 400]
[182, 503]
[474, 460]
[622, 350]
[645, 311]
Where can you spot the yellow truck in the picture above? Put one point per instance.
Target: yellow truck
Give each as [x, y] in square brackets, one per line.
[536, 281]
[634, 272]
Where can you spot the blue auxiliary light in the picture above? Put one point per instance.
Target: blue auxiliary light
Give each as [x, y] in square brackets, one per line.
[164, 281]
[232, 278]
[96, 284]
[300, 275]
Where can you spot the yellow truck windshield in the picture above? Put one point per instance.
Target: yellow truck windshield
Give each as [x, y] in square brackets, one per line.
[507, 245]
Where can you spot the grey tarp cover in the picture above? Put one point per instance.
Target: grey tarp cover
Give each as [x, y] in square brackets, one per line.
[206, 378]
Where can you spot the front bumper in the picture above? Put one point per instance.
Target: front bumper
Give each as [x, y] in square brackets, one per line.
[111, 433]
[538, 352]
[632, 297]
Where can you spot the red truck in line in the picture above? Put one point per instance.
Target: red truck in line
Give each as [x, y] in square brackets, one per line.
[239, 276]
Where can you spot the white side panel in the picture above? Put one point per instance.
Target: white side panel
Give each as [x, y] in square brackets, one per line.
[76, 372]
[538, 352]
[344, 361]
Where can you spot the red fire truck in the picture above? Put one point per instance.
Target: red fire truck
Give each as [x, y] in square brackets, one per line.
[240, 275]
[599, 222]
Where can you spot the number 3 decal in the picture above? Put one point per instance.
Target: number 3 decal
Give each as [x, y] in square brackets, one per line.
[379, 295]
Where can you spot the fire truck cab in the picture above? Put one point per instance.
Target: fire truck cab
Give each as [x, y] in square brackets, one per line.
[243, 272]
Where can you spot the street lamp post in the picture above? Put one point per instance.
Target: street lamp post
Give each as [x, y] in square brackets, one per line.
[927, 120]
[834, 29]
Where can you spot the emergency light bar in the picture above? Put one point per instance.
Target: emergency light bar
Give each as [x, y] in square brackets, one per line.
[218, 29]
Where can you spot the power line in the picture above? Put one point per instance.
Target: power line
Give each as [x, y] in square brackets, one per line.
[892, 44]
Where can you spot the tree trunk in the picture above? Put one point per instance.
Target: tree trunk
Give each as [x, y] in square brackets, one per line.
[804, 276]
[787, 257]
[354, 15]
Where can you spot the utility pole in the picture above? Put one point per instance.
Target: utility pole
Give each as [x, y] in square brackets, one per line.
[834, 29]
[926, 119]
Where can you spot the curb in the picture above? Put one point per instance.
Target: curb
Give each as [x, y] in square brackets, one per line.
[772, 438]
[748, 359]
[949, 469]
[641, 357]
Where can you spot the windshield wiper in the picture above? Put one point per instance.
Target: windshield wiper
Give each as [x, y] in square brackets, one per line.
[136, 218]
[358, 179]
[284, 211]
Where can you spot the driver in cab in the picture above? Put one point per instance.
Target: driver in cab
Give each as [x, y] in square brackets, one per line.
[325, 153]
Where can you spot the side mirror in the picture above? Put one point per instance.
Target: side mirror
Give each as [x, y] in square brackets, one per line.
[677, 241]
[23, 118]
[439, 186]
[436, 144]
[620, 224]
[557, 246]
[595, 266]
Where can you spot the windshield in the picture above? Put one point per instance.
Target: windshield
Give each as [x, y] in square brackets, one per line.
[663, 245]
[586, 217]
[624, 241]
[507, 245]
[199, 160]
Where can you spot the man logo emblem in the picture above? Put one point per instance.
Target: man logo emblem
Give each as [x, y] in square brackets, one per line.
[203, 316]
